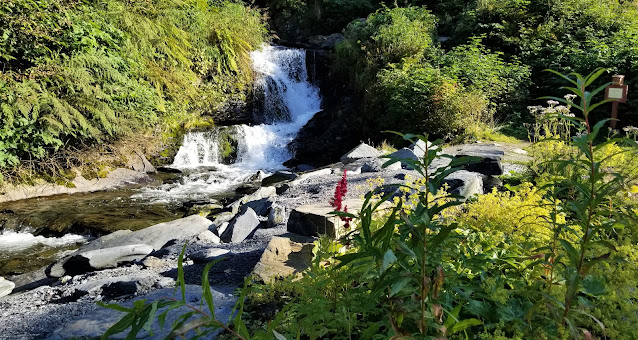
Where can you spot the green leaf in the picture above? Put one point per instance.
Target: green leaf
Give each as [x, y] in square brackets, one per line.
[397, 286]
[388, 260]
[180, 273]
[593, 286]
[278, 336]
[121, 325]
[464, 324]
[208, 295]
[114, 306]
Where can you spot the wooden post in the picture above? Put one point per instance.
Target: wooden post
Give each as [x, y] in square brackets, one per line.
[614, 115]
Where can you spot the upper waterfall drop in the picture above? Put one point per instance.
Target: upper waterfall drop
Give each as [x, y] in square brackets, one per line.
[286, 102]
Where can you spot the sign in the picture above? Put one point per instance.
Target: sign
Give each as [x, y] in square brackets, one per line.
[617, 93]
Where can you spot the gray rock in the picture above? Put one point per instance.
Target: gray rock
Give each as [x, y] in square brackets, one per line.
[208, 236]
[278, 177]
[419, 148]
[464, 183]
[139, 163]
[361, 151]
[142, 281]
[311, 174]
[260, 206]
[222, 228]
[376, 165]
[242, 226]
[156, 235]
[276, 216]
[127, 246]
[94, 324]
[404, 153]
[490, 157]
[285, 255]
[315, 219]
[93, 260]
[263, 192]
[6, 287]
[207, 255]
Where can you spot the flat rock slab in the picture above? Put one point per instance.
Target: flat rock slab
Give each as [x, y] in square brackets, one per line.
[6, 287]
[95, 324]
[315, 219]
[156, 235]
[285, 255]
[98, 259]
[490, 158]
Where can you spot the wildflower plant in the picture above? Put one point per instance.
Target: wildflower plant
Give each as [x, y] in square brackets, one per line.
[581, 242]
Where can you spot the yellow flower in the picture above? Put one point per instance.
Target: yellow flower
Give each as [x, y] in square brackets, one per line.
[633, 189]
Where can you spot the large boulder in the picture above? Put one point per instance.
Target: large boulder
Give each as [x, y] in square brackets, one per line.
[94, 324]
[276, 216]
[6, 287]
[98, 259]
[156, 235]
[125, 246]
[241, 227]
[360, 151]
[489, 158]
[464, 183]
[316, 219]
[285, 255]
[376, 165]
[324, 42]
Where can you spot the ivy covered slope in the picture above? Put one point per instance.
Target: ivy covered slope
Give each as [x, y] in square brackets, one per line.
[74, 74]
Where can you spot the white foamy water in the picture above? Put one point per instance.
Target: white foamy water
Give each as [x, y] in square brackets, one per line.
[289, 102]
[15, 242]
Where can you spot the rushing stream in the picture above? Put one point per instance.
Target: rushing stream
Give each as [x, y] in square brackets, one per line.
[34, 232]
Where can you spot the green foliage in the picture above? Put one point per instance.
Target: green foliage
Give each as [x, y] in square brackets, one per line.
[408, 83]
[76, 73]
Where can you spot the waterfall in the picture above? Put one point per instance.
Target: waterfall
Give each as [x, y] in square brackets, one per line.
[286, 101]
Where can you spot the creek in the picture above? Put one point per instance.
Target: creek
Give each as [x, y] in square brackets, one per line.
[207, 169]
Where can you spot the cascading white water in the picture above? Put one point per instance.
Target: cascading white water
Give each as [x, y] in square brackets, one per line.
[289, 102]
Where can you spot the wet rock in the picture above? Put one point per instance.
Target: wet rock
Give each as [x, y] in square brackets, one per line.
[207, 255]
[6, 287]
[241, 227]
[464, 183]
[305, 167]
[278, 177]
[285, 255]
[360, 151]
[94, 324]
[93, 260]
